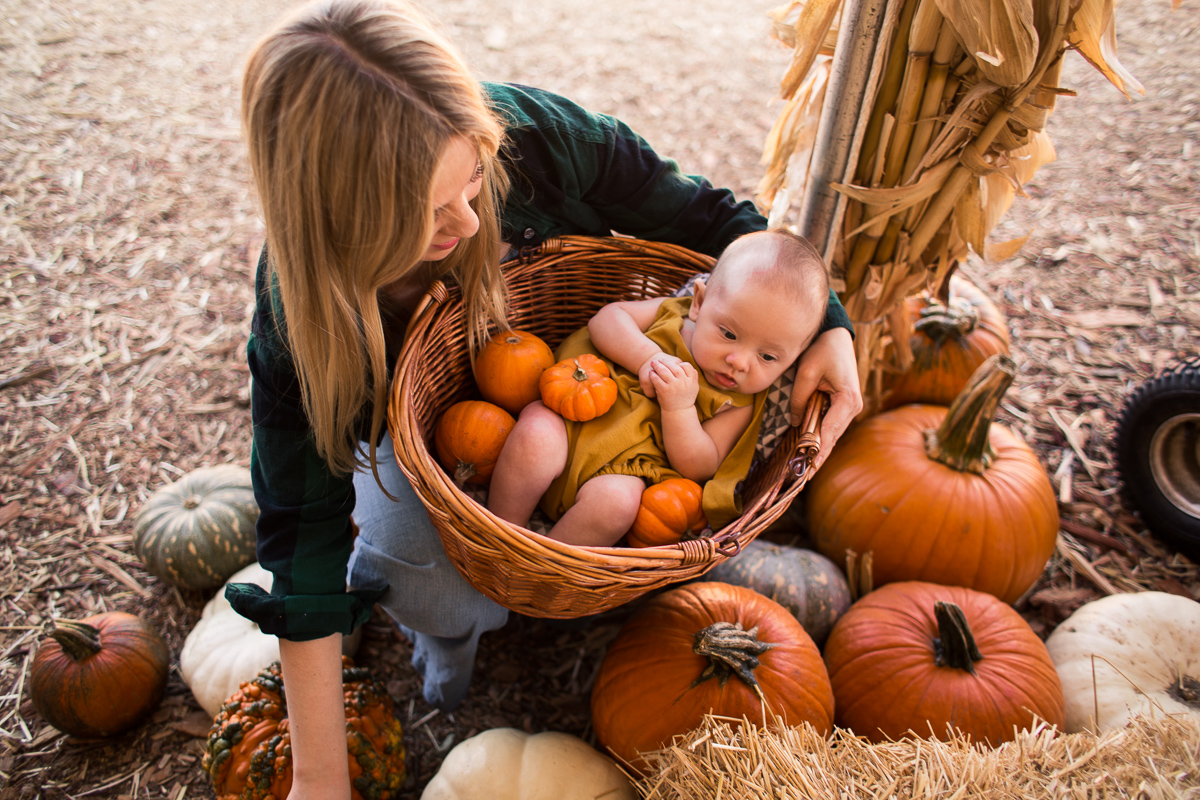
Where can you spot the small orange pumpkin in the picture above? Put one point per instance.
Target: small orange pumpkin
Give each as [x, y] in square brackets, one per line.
[950, 340]
[670, 511]
[100, 675]
[579, 389]
[508, 368]
[469, 438]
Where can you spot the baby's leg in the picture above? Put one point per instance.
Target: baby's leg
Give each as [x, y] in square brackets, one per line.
[533, 456]
[605, 508]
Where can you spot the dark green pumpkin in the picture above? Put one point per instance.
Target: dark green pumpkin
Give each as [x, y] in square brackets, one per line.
[198, 531]
[806, 583]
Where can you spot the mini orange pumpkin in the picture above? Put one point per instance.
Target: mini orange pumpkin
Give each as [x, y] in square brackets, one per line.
[579, 389]
[469, 438]
[916, 656]
[670, 511]
[509, 367]
[706, 648]
[100, 675]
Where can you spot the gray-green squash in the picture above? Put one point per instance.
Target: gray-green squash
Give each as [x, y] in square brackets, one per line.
[198, 531]
[806, 583]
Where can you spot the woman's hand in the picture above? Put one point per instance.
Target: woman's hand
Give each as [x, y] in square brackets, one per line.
[829, 365]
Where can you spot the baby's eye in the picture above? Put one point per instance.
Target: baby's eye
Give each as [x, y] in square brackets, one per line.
[767, 357]
[728, 334]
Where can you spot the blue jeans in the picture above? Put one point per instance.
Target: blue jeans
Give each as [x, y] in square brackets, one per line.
[435, 608]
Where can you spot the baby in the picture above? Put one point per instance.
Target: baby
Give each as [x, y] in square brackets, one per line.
[692, 376]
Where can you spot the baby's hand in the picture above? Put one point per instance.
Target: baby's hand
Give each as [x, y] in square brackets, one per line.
[648, 366]
[675, 384]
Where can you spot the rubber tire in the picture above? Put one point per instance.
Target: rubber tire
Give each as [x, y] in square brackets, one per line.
[1152, 405]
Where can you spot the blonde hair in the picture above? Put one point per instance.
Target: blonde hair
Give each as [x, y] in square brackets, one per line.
[347, 107]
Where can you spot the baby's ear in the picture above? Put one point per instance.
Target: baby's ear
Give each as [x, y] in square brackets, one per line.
[697, 299]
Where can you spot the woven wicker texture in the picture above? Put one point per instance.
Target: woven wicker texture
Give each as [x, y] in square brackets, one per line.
[554, 290]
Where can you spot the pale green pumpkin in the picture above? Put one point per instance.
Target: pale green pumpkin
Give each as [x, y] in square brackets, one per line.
[198, 531]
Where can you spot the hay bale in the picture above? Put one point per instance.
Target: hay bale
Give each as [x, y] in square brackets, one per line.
[1154, 757]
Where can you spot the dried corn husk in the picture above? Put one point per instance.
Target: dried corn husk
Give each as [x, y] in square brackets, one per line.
[953, 129]
[1154, 757]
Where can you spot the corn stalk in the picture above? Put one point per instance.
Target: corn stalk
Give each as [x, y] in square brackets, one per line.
[950, 125]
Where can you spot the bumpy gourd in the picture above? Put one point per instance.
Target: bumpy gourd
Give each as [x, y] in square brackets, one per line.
[248, 755]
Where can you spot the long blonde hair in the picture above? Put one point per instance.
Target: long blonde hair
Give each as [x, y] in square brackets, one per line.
[347, 106]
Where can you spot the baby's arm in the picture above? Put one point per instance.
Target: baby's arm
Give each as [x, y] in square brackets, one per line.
[618, 332]
[695, 450]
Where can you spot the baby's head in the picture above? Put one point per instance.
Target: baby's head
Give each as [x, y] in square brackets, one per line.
[761, 307]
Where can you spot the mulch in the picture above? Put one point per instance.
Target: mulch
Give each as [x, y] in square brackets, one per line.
[127, 240]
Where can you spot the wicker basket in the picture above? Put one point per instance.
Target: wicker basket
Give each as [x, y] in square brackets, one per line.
[554, 290]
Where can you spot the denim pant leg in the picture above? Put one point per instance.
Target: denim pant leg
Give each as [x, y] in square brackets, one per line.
[434, 606]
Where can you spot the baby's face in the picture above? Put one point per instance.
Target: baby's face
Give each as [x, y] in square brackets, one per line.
[747, 335]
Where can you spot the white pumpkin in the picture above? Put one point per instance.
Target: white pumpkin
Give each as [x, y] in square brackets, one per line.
[225, 648]
[1146, 648]
[508, 764]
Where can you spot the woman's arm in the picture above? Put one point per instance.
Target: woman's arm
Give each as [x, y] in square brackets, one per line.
[312, 673]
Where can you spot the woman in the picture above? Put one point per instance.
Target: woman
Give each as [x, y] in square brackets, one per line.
[380, 165]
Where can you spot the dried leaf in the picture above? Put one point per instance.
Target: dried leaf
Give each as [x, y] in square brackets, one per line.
[999, 34]
[1093, 32]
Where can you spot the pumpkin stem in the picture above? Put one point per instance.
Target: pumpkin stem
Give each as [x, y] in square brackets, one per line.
[941, 321]
[1186, 690]
[463, 472]
[580, 374]
[78, 640]
[191, 501]
[955, 645]
[961, 441]
[729, 650]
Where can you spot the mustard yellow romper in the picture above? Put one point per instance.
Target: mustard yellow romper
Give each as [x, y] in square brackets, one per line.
[628, 440]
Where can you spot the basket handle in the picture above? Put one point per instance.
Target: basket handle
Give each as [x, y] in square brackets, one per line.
[808, 444]
[436, 293]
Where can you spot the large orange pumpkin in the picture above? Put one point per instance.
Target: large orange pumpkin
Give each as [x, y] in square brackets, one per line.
[950, 340]
[918, 657]
[940, 495]
[248, 755]
[100, 675]
[469, 437]
[508, 368]
[670, 511]
[706, 648]
[578, 389]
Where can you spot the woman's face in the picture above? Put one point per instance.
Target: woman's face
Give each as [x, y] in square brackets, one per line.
[456, 182]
